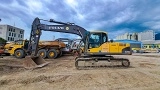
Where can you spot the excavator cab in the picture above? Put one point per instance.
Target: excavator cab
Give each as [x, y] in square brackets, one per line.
[98, 44]
[96, 39]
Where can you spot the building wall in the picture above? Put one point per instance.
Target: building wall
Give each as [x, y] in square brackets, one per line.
[11, 33]
[134, 36]
[125, 36]
[128, 36]
[146, 35]
[3, 32]
[139, 37]
[121, 37]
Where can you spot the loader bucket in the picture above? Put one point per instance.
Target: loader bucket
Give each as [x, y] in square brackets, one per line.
[31, 62]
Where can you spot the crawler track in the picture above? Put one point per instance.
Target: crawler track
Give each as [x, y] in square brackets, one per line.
[87, 62]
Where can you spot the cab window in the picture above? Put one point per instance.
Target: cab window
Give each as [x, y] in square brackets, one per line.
[94, 40]
[104, 38]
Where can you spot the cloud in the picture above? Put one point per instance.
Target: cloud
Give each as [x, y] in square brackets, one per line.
[113, 16]
[155, 25]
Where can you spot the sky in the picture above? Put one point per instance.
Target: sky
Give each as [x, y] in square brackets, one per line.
[113, 16]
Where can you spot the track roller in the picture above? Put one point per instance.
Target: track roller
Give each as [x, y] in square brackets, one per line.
[125, 63]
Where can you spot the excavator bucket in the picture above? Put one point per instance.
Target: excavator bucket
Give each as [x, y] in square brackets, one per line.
[32, 62]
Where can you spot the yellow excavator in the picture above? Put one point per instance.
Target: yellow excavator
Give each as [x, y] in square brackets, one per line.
[97, 48]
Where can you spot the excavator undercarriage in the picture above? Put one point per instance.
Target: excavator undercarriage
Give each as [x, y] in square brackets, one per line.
[88, 62]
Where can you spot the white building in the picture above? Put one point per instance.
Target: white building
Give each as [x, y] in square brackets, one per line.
[11, 33]
[128, 36]
[146, 35]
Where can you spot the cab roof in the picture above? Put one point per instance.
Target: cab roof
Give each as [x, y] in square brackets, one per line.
[98, 31]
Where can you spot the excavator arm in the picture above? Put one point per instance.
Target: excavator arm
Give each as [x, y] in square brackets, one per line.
[37, 28]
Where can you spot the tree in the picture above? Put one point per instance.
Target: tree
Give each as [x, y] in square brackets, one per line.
[2, 40]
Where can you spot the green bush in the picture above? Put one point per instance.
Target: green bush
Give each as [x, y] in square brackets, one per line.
[2, 40]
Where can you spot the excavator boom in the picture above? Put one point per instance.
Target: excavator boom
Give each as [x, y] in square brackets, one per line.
[36, 31]
[37, 28]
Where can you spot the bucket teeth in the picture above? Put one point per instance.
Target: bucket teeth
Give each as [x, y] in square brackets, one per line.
[34, 62]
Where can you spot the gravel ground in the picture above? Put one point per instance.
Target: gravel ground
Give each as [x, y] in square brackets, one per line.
[61, 74]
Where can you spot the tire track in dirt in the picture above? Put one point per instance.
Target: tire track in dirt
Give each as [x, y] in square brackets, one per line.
[43, 78]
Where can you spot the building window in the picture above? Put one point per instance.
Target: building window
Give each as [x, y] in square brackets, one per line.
[11, 39]
[13, 30]
[21, 36]
[9, 33]
[14, 34]
[18, 35]
[8, 38]
[21, 32]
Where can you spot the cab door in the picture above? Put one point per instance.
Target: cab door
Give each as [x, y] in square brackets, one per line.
[26, 42]
[94, 43]
[105, 44]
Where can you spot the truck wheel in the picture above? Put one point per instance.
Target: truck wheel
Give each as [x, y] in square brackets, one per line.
[42, 53]
[19, 53]
[52, 54]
